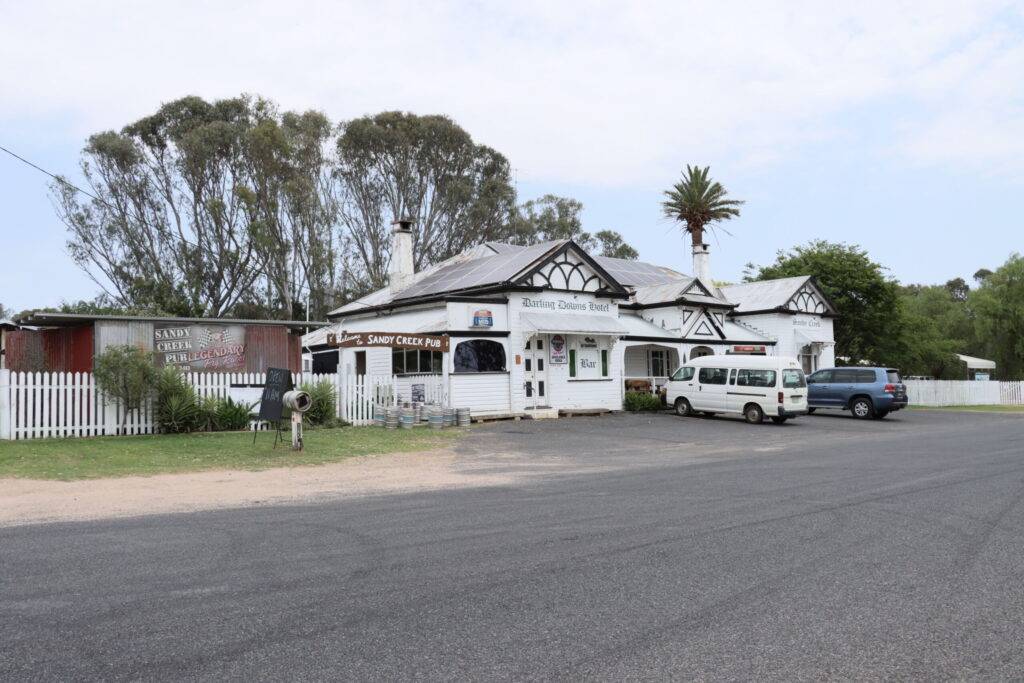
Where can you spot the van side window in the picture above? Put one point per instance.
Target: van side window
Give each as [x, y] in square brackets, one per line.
[683, 374]
[756, 378]
[866, 377]
[713, 375]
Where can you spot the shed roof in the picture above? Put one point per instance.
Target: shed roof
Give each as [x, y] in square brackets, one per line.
[47, 319]
[977, 363]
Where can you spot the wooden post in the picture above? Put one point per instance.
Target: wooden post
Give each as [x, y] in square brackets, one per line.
[5, 405]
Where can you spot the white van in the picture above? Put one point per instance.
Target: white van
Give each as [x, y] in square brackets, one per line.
[751, 386]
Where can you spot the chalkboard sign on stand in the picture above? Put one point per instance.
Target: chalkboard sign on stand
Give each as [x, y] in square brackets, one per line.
[279, 380]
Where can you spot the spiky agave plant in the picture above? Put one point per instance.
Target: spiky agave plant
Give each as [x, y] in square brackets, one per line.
[698, 202]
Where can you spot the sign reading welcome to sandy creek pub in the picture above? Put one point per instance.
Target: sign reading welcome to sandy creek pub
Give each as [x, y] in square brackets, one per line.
[396, 340]
[200, 347]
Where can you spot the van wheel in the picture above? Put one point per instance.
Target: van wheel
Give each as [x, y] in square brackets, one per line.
[753, 414]
[862, 408]
[779, 420]
[683, 408]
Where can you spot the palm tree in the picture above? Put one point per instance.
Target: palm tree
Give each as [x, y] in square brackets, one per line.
[696, 201]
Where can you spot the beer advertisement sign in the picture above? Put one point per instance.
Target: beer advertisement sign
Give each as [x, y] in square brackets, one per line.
[200, 347]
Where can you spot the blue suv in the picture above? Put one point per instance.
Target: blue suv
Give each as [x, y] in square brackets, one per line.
[865, 392]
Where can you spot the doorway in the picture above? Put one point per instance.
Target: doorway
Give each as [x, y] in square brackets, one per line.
[360, 362]
[535, 355]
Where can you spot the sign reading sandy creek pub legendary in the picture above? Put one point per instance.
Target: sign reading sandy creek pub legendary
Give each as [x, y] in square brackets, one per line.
[396, 340]
[200, 347]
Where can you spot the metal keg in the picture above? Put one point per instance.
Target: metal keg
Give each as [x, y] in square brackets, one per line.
[408, 418]
[436, 417]
[392, 418]
[462, 416]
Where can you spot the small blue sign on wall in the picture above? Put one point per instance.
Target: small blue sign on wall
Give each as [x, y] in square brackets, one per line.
[483, 318]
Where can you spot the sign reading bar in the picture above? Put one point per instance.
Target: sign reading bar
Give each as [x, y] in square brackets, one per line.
[396, 340]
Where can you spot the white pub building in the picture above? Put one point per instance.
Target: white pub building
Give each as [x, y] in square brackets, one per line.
[536, 330]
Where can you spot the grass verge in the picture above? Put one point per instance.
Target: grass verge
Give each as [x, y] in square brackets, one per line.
[974, 409]
[120, 456]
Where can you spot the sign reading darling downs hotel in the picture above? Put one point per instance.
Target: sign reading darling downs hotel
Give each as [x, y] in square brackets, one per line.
[566, 305]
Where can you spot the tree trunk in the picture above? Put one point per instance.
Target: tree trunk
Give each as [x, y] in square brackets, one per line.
[697, 235]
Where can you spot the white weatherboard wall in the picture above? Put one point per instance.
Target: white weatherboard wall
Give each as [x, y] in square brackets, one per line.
[484, 393]
[565, 393]
[784, 327]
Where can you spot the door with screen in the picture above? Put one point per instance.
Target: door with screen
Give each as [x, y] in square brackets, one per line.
[535, 367]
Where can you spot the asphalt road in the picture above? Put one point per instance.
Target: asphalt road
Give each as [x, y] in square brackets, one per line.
[629, 548]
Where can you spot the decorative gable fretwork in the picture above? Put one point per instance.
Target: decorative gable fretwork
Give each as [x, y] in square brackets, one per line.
[807, 300]
[568, 272]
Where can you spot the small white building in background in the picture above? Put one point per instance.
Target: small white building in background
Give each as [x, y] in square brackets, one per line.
[546, 328]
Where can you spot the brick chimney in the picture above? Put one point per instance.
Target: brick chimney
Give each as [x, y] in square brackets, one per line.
[401, 269]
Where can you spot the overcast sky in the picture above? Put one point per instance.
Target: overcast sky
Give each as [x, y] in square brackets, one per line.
[896, 126]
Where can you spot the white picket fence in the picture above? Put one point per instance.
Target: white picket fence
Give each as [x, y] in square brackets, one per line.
[37, 405]
[964, 393]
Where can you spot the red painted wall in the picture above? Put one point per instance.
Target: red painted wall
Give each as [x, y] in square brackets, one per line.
[271, 347]
[67, 349]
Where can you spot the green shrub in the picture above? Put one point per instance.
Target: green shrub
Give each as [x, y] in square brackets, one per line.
[641, 400]
[126, 374]
[177, 407]
[231, 416]
[178, 414]
[324, 408]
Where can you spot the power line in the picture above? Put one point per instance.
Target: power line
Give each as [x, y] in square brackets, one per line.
[55, 177]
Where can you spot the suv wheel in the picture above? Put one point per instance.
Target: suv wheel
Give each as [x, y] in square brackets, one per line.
[753, 414]
[862, 408]
[683, 407]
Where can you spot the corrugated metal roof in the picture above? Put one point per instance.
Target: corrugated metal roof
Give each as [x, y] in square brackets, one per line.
[763, 295]
[480, 272]
[638, 273]
[977, 363]
[46, 319]
[735, 332]
[638, 327]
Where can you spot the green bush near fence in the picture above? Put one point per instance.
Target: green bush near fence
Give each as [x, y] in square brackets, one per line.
[637, 401]
[324, 410]
[180, 410]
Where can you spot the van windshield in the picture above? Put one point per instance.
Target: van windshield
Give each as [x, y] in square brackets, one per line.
[683, 374]
[793, 379]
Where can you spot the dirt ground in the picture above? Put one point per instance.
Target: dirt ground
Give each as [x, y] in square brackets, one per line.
[24, 501]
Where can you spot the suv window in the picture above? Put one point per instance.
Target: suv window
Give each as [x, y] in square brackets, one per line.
[756, 378]
[713, 375]
[793, 379]
[866, 377]
[844, 376]
[820, 377]
[893, 376]
[683, 374]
